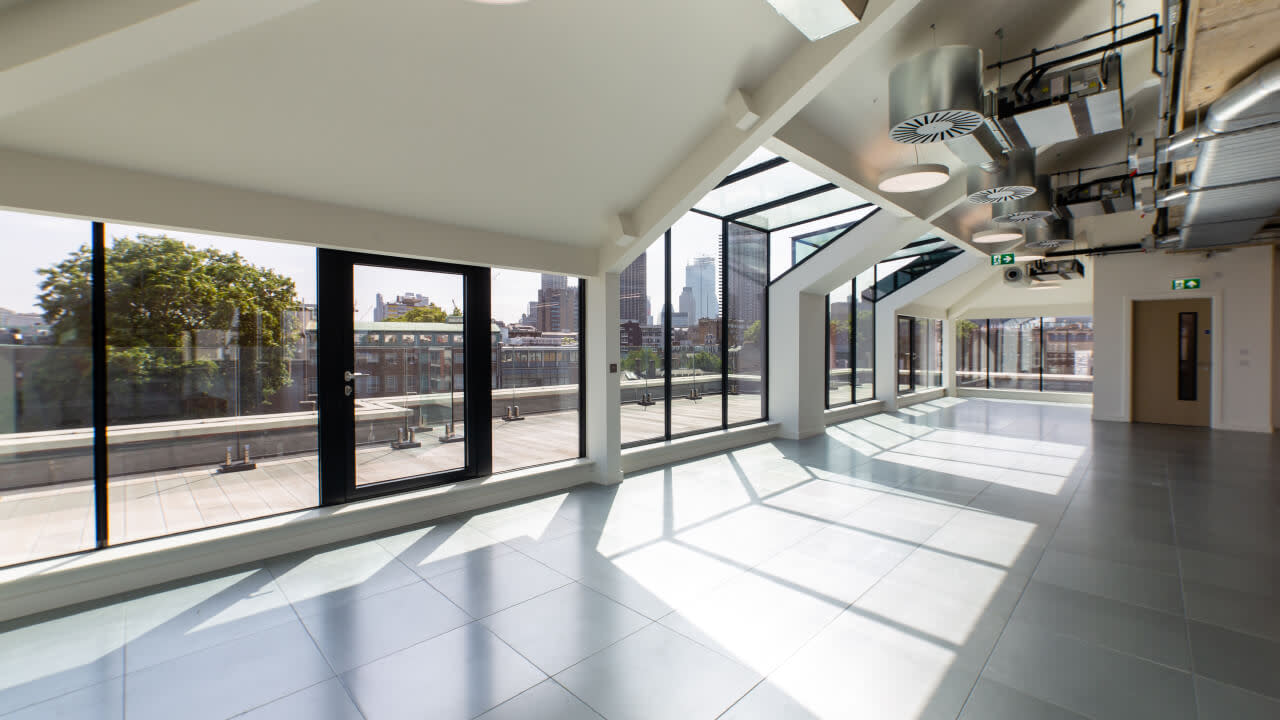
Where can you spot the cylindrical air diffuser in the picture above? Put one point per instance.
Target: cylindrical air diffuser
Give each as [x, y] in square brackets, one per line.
[936, 95]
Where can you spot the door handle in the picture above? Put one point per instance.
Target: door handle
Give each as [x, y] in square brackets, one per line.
[348, 376]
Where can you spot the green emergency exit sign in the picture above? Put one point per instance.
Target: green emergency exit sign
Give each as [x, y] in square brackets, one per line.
[1002, 259]
[1186, 283]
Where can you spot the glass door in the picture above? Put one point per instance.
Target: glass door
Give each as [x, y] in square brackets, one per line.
[399, 402]
[906, 356]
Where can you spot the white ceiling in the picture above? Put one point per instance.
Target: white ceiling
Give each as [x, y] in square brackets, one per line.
[543, 119]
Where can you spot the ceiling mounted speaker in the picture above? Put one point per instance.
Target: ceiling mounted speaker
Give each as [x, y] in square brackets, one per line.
[1026, 209]
[936, 95]
[1013, 179]
[1047, 234]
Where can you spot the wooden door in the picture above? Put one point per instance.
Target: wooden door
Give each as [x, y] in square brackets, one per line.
[1171, 361]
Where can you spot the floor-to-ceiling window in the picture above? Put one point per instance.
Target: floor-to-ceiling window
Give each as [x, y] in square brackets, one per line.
[919, 354]
[643, 316]
[536, 368]
[46, 388]
[697, 356]
[1030, 353]
[851, 341]
[156, 381]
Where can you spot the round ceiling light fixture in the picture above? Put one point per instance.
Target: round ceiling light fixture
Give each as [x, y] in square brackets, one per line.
[1028, 254]
[1045, 286]
[996, 235]
[914, 178]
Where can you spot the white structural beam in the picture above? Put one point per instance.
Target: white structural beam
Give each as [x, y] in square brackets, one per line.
[69, 187]
[797, 318]
[886, 344]
[762, 111]
[806, 146]
[52, 48]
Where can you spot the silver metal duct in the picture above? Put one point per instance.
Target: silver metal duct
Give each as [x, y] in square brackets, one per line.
[1235, 187]
[936, 95]
[1027, 209]
[1013, 178]
[1046, 234]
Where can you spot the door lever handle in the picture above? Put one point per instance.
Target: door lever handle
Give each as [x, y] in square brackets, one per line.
[348, 376]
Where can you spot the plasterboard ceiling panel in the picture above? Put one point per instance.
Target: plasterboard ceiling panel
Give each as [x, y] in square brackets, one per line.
[541, 119]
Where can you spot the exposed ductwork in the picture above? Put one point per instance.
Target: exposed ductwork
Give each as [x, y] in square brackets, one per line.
[936, 95]
[1235, 188]
[1013, 179]
[1028, 209]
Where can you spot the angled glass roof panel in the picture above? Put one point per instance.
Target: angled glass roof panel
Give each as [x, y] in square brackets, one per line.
[759, 156]
[843, 220]
[914, 250]
[810, 207]
[763, 187]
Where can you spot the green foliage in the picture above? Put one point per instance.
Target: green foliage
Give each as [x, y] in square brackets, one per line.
[703, 360]
[965, 328]
[752, 335]
[168, 304]
[427, 313]
[641, 361]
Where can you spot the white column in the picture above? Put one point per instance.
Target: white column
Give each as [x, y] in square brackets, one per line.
[949, 356]
[604, 430]
[797, 382]
[887, 355]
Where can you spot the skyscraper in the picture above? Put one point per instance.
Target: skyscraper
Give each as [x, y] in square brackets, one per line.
[748, 274]
[700, 276]
[688, 305]
[554, 282]
[633, 291]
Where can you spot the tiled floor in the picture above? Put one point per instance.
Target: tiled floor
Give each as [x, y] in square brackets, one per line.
[963, 558]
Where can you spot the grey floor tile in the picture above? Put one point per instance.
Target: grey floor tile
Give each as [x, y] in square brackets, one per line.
[1251, 575]
[561, 627]
[1246, 661]
[1146, 633]
[755, 619]
[325, 701]
[165, 625]
[227, 679]
[104, 701]
[1088, 679]
[865, 667]
[658, 673]
[61, 655]
[442, 548]
[488, 585]
[363, 630]
[1240, 611]
[313, 581]
[991, 700]
[1126, 583]
[1128, 550]
[547, 700]
[1219, 701]
[460, 674]
[767, 701]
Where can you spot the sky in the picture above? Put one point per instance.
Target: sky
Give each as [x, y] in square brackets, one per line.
[29, 242]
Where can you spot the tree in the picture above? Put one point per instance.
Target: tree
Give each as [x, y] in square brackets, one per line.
[427, 313]
[752, 335]
[182, 323]
[640, 361]
[705, 361]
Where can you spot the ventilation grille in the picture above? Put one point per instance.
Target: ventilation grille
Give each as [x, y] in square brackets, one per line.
[936, 126]
[1001, 194]
[1023, 216]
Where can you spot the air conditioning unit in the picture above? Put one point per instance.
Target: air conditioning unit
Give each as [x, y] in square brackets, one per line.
[1061, 105]
[1015, 276]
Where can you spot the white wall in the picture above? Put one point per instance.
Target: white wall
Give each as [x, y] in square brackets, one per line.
[1240, 284]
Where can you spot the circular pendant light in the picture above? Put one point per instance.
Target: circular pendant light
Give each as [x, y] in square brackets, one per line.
[914, 178]
[996, 235]
[1028, 254]
[1048, 285]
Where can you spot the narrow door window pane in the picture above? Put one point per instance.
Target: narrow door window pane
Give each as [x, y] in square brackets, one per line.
[46, 388]
[210, 361]
[905, 356]
[1188, 339]
[695, 346]
[864, 336]
[533, 359]
[747, 280]
[408, 332]
[839, 346]
[642, 289]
